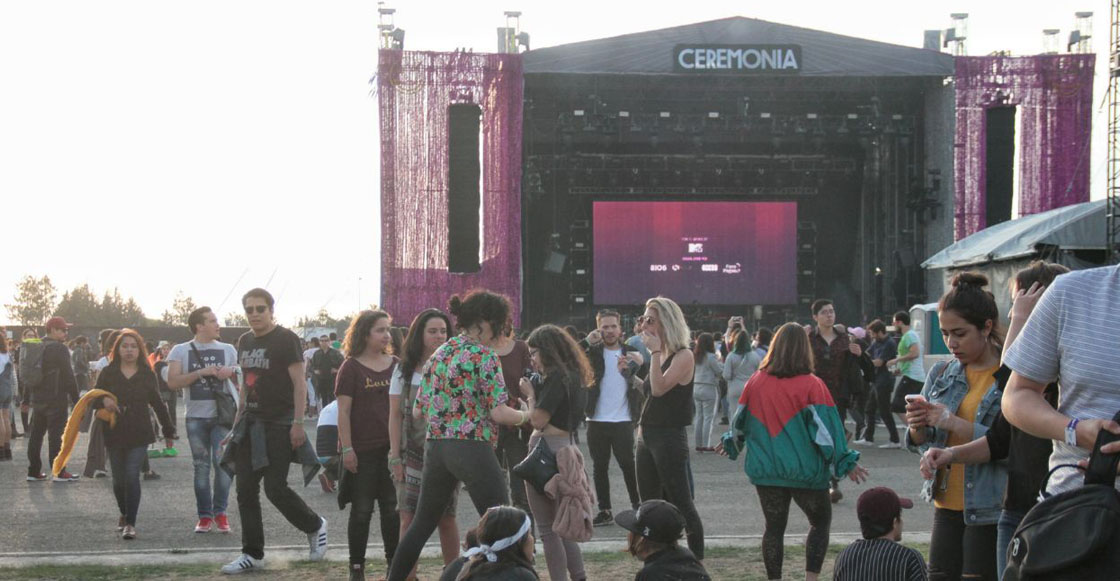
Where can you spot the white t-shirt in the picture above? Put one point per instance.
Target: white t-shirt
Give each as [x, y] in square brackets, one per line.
[101, 364]
[200, 395]
[396, 385]
[612, 405]
[1071, 338]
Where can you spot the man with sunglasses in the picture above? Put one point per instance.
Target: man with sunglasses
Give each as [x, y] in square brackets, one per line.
[273, 401]
[49, 398]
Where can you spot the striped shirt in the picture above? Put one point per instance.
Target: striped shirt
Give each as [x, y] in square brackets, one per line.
[879, 560]
[1071, 337]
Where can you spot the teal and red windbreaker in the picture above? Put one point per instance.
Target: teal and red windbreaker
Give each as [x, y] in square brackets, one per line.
[791, 431]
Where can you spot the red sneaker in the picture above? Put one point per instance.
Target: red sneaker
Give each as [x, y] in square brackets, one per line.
[204, 525]
[325, 483]
[223, 523]
[66, 476]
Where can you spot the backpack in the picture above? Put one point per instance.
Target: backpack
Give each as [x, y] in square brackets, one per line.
[1074, 534]
[31, 363]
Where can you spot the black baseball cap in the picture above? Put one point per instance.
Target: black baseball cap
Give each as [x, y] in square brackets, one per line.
[655, 520]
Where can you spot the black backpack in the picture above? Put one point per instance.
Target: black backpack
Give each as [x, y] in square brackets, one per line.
[1074, 534]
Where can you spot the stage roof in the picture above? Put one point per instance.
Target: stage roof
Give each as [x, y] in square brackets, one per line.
[1076, 227]
[824, 54]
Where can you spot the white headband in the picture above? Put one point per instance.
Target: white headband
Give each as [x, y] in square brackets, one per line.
[491, 551]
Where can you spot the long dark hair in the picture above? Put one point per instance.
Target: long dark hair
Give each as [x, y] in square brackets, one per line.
[705, 344]
[560, 353]
[357, 334]
[968, 299]
[413, 348]
[498, 523]
[790, 354]
[742, 342]
[115, 354]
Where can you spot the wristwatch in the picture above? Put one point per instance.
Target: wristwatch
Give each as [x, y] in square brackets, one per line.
[1071, 432]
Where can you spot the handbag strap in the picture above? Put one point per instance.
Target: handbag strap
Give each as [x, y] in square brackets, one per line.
[198, 355]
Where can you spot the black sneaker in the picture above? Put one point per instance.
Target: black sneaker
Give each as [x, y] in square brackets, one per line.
[604, 518]
[357, 572]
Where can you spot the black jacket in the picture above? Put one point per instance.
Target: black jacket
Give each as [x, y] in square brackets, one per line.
[633, 396]
[134, 395]
[672, 564]
[58, 388]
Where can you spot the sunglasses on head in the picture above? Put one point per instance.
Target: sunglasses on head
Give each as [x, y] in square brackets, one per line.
[259, 309]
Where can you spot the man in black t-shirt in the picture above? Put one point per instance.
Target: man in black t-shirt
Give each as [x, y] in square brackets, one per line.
[274, 393]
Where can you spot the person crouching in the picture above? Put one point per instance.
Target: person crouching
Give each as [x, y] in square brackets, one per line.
[655, 531]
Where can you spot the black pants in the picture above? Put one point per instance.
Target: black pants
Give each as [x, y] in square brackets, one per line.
[906, 386]
[842, 409]
[126, 479]
[447, 462]
[275, 476]
[775, 509]
[602, 439]
[662, 470]
[879, 403]
[49, 421]
[513, 446]
[372, 484]
[960, 551]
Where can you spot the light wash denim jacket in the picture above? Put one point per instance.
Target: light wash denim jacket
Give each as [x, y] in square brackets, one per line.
[984, 484]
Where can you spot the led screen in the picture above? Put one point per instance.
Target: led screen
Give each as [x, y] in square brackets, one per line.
[715, 253]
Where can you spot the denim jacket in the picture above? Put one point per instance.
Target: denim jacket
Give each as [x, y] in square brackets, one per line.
[947, 384]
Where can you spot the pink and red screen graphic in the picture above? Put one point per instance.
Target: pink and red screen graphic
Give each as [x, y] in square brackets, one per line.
[712, 253]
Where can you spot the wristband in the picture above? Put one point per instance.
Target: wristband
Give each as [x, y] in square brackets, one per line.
[652, 353]
[346, 449]
[1071, 432]
[395, 461]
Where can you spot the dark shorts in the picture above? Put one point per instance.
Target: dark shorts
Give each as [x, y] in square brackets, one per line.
[906, 386]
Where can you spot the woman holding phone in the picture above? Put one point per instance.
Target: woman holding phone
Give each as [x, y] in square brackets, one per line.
[662, 454]
[960, 401]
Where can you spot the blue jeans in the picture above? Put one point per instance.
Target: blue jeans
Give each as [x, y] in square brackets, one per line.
[1005, 530]
[205, 436]
[126, 463]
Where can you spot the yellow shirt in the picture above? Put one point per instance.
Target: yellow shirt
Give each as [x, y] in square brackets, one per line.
[979, 380]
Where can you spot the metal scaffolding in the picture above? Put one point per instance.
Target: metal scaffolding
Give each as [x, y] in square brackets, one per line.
[1112, 214]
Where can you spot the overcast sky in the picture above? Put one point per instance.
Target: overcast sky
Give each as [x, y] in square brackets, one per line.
[208, 147]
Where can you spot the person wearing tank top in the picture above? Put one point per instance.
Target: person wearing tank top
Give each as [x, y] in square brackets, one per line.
[662, 451]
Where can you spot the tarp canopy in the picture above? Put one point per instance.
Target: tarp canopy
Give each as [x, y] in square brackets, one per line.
[823, 53]
[1076, 227]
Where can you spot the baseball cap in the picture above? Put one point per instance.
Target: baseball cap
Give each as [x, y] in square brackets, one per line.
[880, 505]
[57, 323]
[655, 520]
[858, 332]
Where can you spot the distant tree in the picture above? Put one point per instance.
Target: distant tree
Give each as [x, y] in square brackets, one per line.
[180, 310]
[34, 300]
[235, 320]
[81, 306]
[324, 319]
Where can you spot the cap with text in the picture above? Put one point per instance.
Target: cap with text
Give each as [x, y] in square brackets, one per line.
[655, 520]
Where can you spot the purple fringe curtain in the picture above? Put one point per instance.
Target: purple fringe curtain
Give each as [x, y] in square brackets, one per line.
[415, 90]
[1054, 95]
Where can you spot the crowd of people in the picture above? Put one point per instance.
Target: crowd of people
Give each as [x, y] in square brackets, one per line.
[459, 399]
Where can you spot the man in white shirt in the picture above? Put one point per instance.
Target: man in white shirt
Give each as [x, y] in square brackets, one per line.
[612, 409]
[312, 399]
[204, 367]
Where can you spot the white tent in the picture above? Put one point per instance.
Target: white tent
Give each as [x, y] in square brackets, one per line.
[1073, 236]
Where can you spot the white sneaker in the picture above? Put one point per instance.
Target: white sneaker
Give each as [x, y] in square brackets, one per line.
[891, 446]
[318, 542]
[242, 564]
[862, 442]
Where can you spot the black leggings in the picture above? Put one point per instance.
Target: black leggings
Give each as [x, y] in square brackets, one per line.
[446, 463]
[775, 508]
[372, 484]
[663, 473]
[960, 551]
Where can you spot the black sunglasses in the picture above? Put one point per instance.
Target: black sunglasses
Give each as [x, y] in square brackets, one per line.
[260, 309]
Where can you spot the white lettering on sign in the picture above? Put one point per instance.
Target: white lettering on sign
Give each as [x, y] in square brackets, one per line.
[762, 58]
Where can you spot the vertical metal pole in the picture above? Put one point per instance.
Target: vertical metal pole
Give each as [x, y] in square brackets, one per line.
[1112, 219]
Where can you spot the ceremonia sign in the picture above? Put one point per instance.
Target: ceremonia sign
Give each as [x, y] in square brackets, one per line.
[737, 58]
